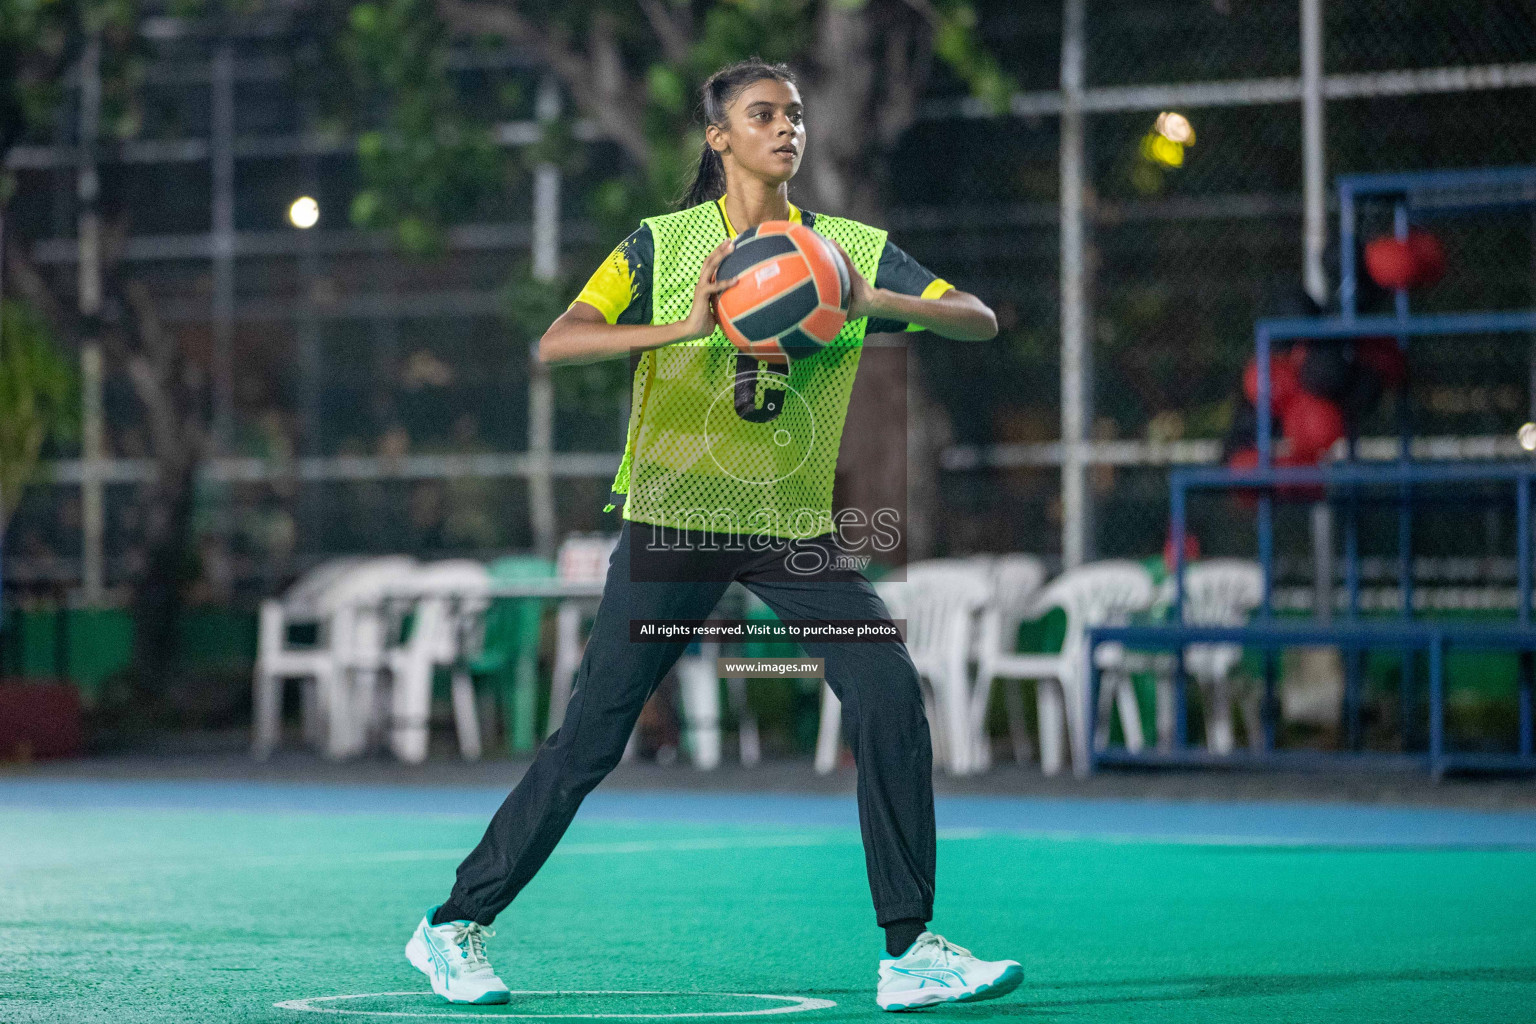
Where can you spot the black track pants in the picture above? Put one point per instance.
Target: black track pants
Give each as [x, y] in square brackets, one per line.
[883, 718]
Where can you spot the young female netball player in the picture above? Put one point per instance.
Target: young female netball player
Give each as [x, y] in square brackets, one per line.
[686, 451]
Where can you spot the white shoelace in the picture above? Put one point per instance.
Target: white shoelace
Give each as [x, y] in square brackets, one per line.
[471, 938]
[946, 948]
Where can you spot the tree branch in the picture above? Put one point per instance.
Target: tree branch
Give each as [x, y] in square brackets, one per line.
[908, 54]
[154, 372]
[897, 111]
[675, 41]
[618, 109]
[605, 60]
[29, 284]
[840, 91]
[929, 13]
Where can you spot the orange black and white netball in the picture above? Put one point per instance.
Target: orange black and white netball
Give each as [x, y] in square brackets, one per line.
[791, 294]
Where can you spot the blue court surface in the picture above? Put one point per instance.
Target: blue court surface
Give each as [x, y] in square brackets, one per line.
[1271, 824]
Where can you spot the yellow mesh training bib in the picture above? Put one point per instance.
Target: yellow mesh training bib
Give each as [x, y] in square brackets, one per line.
[693, 459]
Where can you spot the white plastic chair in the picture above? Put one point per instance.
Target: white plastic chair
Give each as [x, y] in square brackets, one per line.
[699, 689]
[277, 659]
[325, 600]
[361, 626]
[1099, 594]
[749, 606]
[940, 602]
[1217, 592]
[447, 600]
[1016, 579]
[581, 558]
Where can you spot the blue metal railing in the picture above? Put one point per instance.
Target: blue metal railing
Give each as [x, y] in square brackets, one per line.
[1412, 193]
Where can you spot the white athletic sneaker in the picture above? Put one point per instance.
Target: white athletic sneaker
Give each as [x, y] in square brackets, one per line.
[934, 971]
[453, 956]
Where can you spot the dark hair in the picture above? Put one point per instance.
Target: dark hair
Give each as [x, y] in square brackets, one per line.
[717, 92]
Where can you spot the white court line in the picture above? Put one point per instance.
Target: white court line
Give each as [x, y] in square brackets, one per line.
[637, 846]
[677, 845]
[734, 843]
[797, 1004]
[745, 842]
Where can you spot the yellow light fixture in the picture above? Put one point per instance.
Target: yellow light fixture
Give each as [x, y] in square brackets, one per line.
[1161, 150]
[304, 213]
[1527, 437]
[1175, 128]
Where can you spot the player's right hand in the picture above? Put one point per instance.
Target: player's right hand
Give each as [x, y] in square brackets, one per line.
[701, 322]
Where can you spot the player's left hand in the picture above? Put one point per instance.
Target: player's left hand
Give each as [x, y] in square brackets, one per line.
[862, 299]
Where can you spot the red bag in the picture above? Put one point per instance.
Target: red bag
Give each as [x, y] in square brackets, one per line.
[39, 720]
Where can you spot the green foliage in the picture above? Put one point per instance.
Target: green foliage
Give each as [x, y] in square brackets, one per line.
[775, 30]
[557, 145]
[429, 161]
[427, 155]
[529, 307]
[39, 398]
[666, 89]
[34, 34]
[958, 45]
[590, 385]
[41, 39]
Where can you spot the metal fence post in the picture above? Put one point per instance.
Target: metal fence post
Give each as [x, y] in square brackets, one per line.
[1315, 208]
[221, 153]
[88, 188]
[541, 393]
[1076, 357]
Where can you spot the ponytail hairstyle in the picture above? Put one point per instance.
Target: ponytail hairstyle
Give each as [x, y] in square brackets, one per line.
[718, 91]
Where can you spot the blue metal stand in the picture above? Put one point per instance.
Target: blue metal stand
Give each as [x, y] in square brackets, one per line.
[1433, 638]
[1402, 482]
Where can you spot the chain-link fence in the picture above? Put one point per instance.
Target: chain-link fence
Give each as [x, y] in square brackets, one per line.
[382, 403]
[1189, 245]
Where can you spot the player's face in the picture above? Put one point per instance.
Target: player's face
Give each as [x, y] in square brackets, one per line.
[766, 129]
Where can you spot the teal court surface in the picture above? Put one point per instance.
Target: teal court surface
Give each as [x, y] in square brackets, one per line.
[141, 901]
